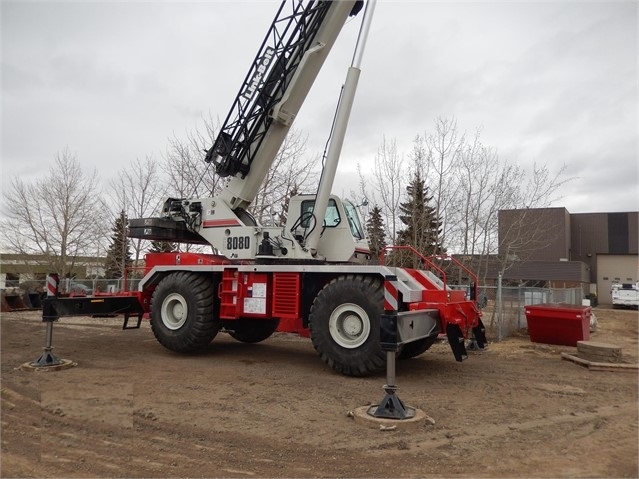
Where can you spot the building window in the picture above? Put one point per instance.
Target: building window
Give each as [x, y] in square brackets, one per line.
[605, 278]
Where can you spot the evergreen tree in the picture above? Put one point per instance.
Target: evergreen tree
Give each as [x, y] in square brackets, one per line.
[376, 233]
[119, 254]
[162, 247]
[423, 227]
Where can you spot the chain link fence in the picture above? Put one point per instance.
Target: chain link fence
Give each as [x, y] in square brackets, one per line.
[503, 311]
[93, 286]
[79, 286]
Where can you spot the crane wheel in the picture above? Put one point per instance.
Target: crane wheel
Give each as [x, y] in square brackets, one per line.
[250, 330]
[182, 312]
[415, 348]
[344, 324]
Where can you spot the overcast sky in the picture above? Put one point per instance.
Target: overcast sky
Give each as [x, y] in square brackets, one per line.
[548, 82]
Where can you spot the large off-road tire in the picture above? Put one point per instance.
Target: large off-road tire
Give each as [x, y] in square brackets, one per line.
[415, 348]
[344, 324]
[251, 330]
[182, 312]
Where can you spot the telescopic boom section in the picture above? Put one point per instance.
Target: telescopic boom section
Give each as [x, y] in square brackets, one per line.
[341, 123]
[273, 91]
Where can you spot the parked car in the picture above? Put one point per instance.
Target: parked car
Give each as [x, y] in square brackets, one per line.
[79, 289]
[625, 295]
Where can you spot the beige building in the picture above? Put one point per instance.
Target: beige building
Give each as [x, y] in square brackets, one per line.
[17, 268]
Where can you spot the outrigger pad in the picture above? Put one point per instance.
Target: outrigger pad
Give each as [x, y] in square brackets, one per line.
[392, 407]
[46, 359]
[456, 341]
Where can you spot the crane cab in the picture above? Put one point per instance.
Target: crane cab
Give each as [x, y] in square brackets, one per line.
[343, 237]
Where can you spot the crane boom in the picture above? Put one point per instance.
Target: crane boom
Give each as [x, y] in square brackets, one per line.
[272, 93]
[270, 97]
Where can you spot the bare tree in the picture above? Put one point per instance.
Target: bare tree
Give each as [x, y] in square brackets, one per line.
[290, 172]
[389, 178]
[470, 185]
[188, 175]
[363, 191]
[439, 154]
[361, 197]
[58, 217]
[482, 186]
[137, 190]
[489, 186]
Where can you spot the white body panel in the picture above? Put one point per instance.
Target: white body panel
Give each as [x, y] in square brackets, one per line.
[341, 240]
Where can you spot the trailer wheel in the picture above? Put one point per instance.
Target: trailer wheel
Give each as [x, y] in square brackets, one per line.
[182, 312]
[415, 348]
[250, 330]
[344, 325]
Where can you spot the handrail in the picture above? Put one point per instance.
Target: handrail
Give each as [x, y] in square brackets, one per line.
[472, 275]
[428, 261]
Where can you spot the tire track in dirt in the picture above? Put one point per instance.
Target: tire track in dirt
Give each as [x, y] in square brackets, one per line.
[170, 450]
[493, 430]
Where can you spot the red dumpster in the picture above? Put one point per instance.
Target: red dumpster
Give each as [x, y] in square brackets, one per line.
[563, 324]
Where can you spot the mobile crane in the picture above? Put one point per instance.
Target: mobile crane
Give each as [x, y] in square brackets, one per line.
[314, 276]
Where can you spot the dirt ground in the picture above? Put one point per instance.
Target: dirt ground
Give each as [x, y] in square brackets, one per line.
[130, 408]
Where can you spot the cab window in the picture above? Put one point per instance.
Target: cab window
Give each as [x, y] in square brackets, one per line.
[331, 218]
[353, 220]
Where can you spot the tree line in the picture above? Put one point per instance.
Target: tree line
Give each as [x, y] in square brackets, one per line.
[445, 195]
[442, 196]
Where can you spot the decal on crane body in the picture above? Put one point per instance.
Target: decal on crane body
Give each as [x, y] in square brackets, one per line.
[222, 222]
[238, 242]
[391, 301]
[262, 67]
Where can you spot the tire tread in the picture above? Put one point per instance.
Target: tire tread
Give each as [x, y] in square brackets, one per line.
[366, 359]
[201, 326]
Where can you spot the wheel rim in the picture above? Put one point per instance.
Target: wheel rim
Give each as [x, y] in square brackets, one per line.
[349, 325]
[174, 311]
